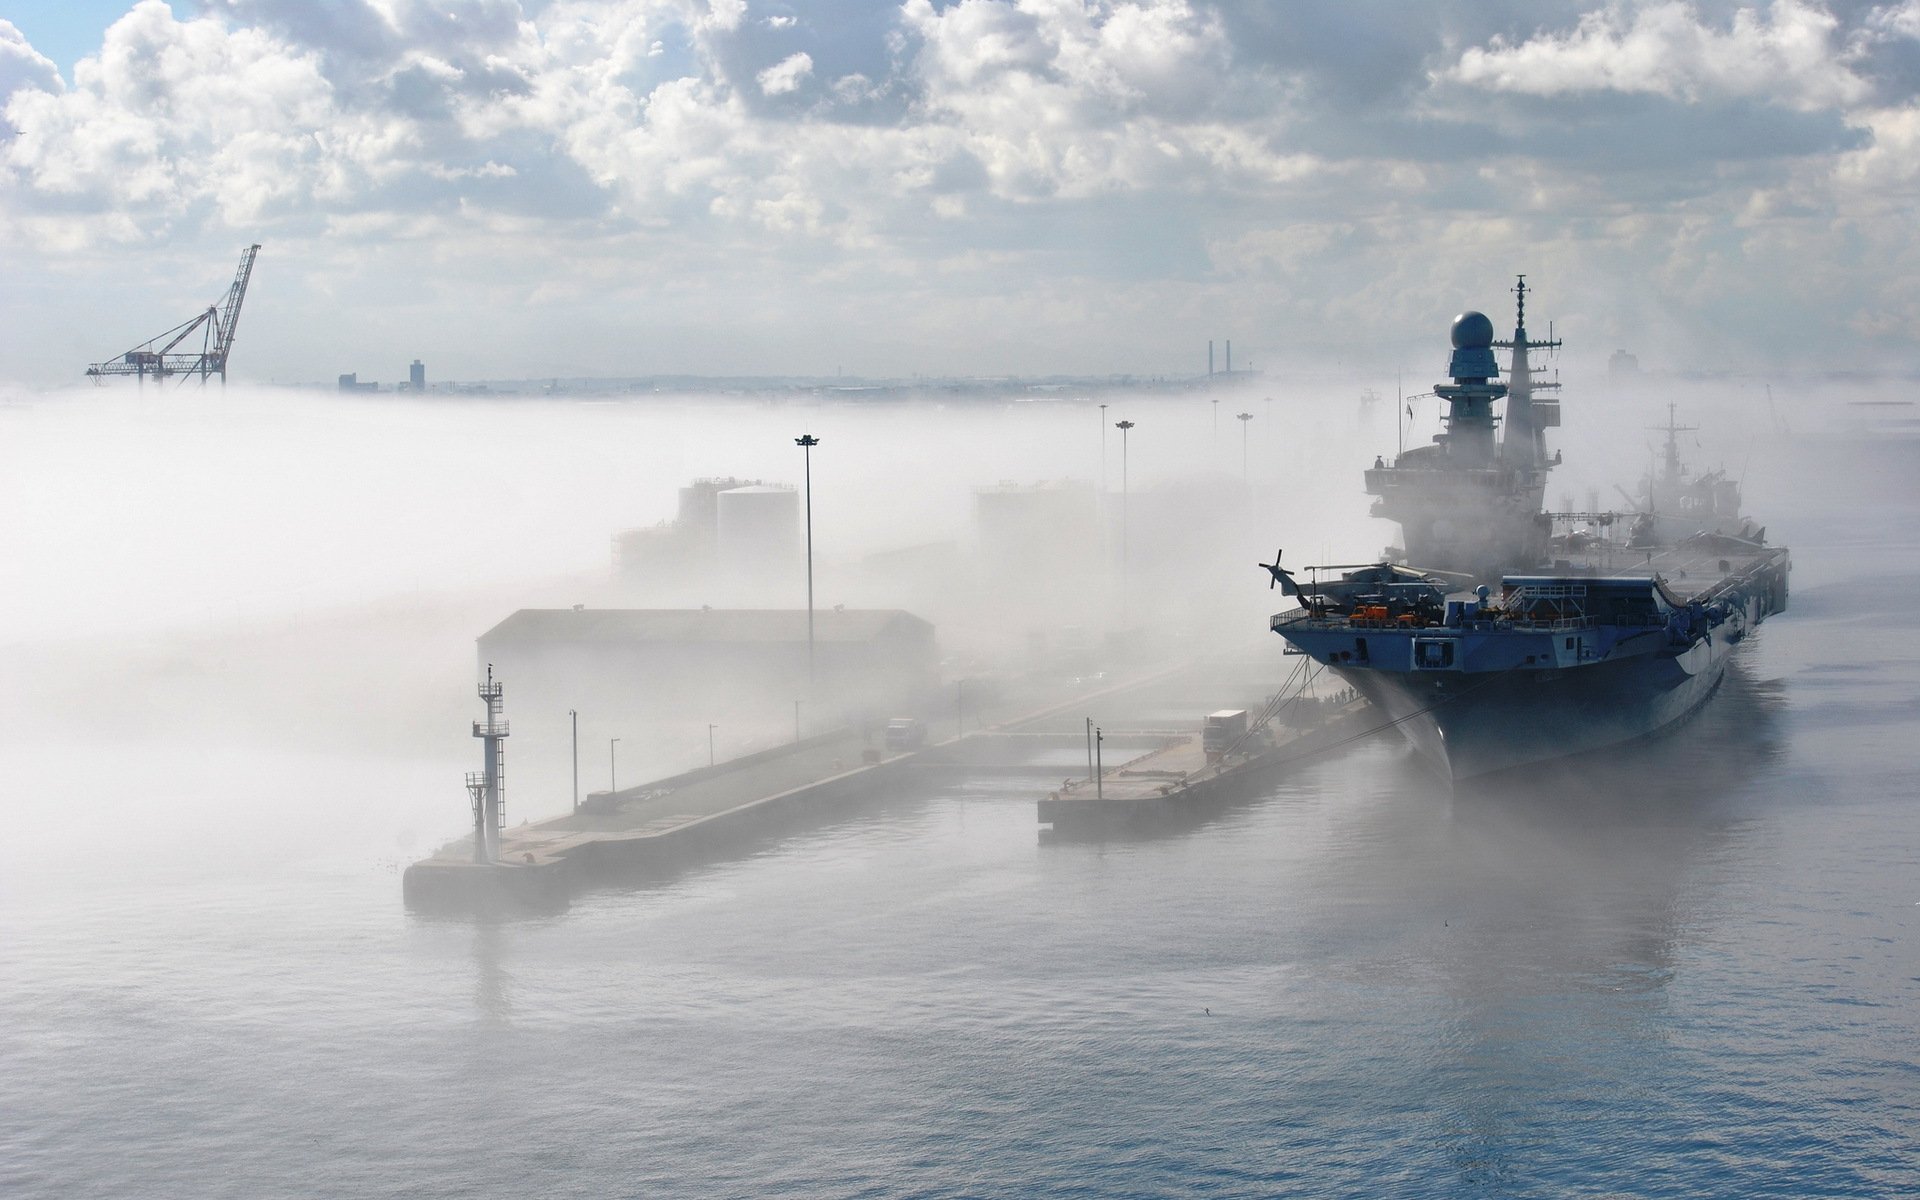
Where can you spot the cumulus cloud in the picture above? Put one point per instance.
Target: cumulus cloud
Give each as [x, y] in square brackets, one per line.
[1789, 53]
[21, 66]
[1068, 100]
[724, 15]
[1137, 141]
[786, 75]
[170, 116]
[1900, 20]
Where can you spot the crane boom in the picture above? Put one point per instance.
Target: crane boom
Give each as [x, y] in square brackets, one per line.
[217, 325]
[230, 315]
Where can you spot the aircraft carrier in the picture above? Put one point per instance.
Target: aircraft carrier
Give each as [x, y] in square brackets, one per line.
[1517, 635]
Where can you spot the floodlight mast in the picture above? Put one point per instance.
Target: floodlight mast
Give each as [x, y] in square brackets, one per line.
[216, 326]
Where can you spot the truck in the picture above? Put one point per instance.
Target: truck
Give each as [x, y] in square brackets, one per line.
[1222, 730]
[905, 733]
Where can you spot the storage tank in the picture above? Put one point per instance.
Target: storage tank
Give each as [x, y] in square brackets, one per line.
[758, 528]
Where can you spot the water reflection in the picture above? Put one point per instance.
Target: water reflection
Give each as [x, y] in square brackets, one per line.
[1582, 862]
[492, 984]
[1566, 906]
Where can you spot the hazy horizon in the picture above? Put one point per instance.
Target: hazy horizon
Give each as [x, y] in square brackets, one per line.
[658, 187]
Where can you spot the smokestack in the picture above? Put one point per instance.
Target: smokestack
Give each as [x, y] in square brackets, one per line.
[1229, 356]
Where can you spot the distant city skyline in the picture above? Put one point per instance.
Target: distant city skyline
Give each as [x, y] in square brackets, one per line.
[526, 188]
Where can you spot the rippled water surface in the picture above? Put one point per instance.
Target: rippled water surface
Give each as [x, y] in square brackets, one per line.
[1689, 970]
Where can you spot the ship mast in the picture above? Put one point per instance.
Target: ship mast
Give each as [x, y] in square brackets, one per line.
[1673, 432]
[1523, 442]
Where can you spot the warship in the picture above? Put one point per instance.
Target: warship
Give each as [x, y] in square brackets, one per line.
[1674, 503]
[1511, 635]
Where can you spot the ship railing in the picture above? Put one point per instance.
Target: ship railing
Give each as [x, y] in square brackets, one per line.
[1554, 624]
[1547, 591]
[483, 729]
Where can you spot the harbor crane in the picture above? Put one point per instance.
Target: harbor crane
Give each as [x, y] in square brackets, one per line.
[216, 327]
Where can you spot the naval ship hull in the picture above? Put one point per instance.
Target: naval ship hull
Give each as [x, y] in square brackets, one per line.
[1559, 665]
[1471, 726]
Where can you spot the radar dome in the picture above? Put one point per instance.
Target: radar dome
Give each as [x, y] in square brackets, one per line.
[1472, 331]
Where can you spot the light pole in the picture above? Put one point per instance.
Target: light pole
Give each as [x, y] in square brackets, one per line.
[1099, 768]
[1090, 747]
[1123, 427]
[1216, 418]
[613, 774]
[710, 728]
[575, 718]
[807, 442]
[1244, 418]
[796, 720]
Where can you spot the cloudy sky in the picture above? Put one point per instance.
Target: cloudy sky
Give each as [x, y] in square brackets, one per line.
[538, 187]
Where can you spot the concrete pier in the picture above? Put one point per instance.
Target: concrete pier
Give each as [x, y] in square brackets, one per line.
[628, 835]
[1155, 774]
[640, 833]
[1176, 783]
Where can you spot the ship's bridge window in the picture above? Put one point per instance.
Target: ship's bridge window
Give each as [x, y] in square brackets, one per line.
[1432, 654]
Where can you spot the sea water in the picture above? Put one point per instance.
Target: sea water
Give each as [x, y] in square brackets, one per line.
[1691, 968]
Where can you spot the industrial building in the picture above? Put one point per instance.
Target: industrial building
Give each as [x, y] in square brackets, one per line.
[739, 530]
[710, 660]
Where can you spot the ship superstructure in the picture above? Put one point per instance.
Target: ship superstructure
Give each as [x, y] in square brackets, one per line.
[1470, 502]
[1565, 645]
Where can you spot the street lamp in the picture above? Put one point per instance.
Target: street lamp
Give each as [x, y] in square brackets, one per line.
[1123, 427]
[710, 729]
[807, 442]
[1244, 418]
[613, 776]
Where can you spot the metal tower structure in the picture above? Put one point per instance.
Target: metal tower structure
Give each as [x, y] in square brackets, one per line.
[216, 327]
[488, 787]
[1529, 414]
[1673, 468]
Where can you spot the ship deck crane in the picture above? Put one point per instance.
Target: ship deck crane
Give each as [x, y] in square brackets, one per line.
[215, 326]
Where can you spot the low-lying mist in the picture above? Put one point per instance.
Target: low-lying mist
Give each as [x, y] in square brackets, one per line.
[246, 619]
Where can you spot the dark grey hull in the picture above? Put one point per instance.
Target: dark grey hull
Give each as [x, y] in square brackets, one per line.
[1470, 725]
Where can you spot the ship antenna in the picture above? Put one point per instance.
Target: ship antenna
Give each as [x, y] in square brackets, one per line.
[1520, 290]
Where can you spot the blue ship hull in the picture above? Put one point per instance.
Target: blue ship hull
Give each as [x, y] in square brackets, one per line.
[1559, 665]
[1468, 726]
